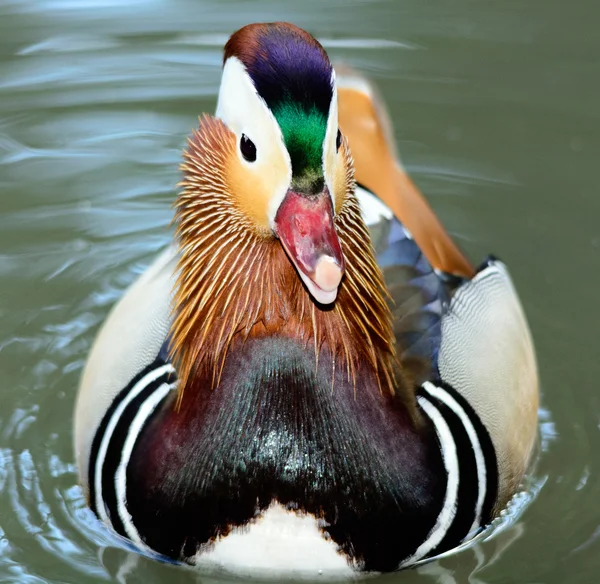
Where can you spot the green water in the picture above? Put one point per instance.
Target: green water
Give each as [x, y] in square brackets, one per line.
[497, 113]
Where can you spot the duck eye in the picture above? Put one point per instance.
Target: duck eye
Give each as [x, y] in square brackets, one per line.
[338, 141]
[247, 148]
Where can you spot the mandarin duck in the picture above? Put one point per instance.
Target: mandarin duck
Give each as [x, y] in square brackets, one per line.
[312, 379]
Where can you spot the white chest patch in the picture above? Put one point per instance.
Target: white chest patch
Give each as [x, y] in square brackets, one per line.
[280, 544]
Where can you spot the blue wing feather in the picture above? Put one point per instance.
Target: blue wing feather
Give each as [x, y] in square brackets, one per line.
[420, 298]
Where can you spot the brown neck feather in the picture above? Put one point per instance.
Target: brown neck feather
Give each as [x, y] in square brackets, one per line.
[235, 283]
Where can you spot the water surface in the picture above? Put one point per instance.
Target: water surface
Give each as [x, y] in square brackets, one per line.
[497, 113]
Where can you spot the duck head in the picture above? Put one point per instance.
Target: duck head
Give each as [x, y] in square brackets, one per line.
[271, 236]
[278, 97]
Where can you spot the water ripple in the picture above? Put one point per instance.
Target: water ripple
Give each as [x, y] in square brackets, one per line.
[96, 99]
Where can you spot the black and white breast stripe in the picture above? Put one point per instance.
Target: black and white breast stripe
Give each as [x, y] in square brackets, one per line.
[466, 448]
[114, 442]
[471, 467]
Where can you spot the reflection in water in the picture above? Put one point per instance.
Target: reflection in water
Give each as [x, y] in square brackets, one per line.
[96, 99]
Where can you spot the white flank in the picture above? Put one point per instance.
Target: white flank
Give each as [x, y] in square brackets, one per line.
[110, 428]
[446, 516]
[280, 544]
[445, 397]
[137, 424]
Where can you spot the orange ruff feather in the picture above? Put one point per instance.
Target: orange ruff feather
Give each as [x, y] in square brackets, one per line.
[235, 282]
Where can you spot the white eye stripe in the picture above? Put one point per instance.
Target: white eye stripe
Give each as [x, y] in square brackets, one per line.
[330, 158]
[245, 112]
